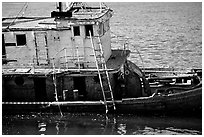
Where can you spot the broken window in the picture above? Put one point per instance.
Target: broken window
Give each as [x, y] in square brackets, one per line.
[21, 39]
[76, 31]
[89, 28]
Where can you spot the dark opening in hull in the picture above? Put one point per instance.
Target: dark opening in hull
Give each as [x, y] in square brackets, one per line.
[80, 85]
[40, 89]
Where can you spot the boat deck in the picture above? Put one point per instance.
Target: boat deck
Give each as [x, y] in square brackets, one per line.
[114, 63]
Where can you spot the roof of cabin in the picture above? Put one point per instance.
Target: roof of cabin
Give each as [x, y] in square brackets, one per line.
[48, 23]
[51, 23]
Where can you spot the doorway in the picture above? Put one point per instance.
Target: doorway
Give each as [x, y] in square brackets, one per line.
[80, 85]
[41, 48]
[40, 89]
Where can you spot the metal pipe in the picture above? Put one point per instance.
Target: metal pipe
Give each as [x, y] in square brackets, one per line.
[60, 7]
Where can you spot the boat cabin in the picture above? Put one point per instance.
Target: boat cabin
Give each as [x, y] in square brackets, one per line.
[64, 41]
[67, 49]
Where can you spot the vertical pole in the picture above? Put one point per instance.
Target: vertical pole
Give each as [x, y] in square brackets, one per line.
[33, 64]
[60, 7]
[100, 7]
[65, 50]
[78, 58]
[36, 48]
[46, 48]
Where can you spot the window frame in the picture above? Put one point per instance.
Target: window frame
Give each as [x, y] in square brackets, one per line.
[101, 29]
[76, 33]
[21, 43]
[87, 30]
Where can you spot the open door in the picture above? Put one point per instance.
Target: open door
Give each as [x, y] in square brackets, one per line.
[40, 89]
[78, 42]
[80, 85]
[41, 48]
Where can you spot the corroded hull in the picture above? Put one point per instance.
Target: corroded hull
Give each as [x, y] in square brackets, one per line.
[185, 101]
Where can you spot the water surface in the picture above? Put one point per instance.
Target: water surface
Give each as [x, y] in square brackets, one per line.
[99, 124]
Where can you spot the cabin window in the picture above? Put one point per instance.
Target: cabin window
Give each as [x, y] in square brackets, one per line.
[76, 31]
[19, 81]
[89, 28]
[101, 29]
[106, 26]
[21, 39]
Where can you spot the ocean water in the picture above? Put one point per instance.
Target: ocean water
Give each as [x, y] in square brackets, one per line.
[99, 124]
[160, 35]
[165, 34]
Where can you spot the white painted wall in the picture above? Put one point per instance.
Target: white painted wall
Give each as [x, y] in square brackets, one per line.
[57, 42]
[23, 54]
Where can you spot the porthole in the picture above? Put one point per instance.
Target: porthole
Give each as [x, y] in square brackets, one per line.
[127, 72]
[19, 81]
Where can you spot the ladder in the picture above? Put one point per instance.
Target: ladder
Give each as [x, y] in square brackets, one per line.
[107, 94]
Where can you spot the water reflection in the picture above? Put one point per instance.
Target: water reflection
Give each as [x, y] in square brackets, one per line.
[99, 124]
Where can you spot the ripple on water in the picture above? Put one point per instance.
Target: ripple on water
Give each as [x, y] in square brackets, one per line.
[89, 123]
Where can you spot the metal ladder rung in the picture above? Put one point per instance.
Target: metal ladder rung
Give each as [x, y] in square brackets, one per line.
[73, 62]
[106, 73]
[81, 47]
[110, 105]
[98, 50]
[96, 55]
[109, 99]
[77, 58]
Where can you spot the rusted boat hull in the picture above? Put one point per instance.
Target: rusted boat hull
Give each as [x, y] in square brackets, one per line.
[185, 101]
